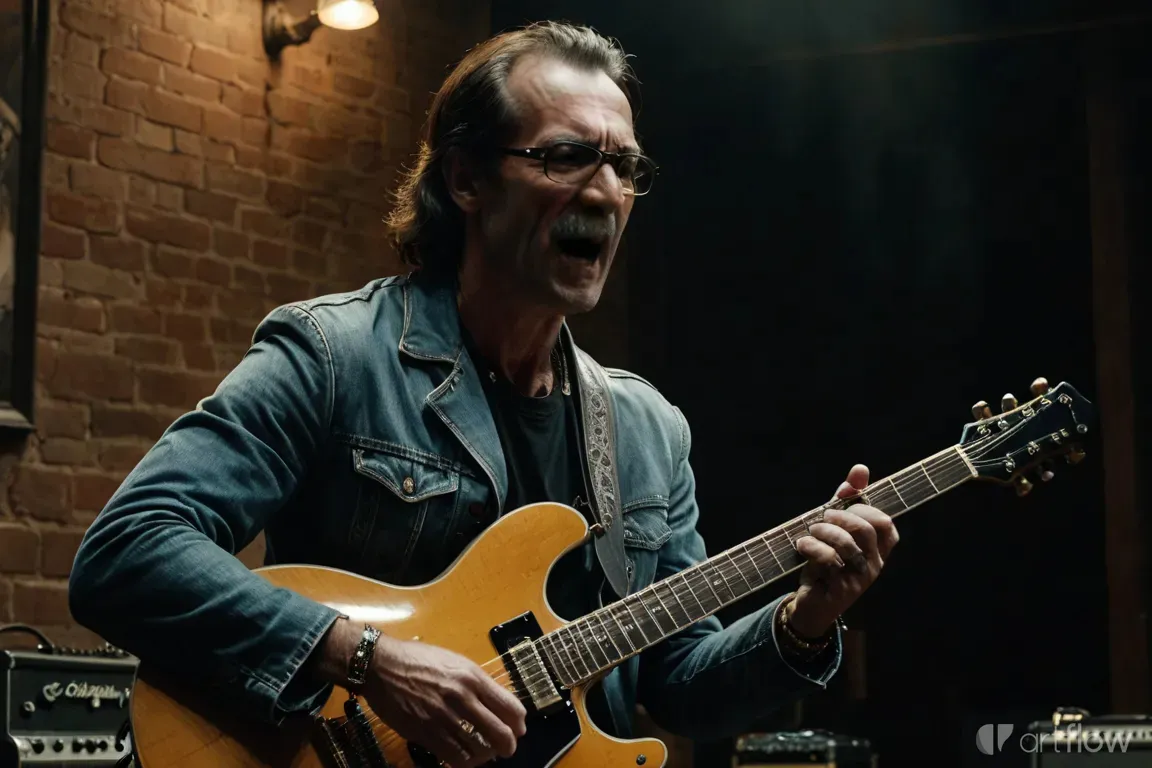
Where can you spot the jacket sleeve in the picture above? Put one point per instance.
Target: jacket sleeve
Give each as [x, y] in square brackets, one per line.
[156, 574]
[710, 681]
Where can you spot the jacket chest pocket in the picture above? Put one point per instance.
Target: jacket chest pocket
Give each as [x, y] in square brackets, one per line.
[405, 509]
[646, 530]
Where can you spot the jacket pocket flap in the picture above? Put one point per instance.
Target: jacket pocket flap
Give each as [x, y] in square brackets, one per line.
[409, 479]
[647, 527]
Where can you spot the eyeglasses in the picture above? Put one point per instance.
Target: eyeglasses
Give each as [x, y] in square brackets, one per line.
[569, 162]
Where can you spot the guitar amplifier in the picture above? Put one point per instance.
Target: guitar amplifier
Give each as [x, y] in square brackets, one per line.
[1075, 739]
[802, 749]
[65, 707]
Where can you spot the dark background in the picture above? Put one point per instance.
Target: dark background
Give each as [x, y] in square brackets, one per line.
[855, 237]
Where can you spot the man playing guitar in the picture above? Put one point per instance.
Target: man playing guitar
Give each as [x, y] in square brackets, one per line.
[381, 431]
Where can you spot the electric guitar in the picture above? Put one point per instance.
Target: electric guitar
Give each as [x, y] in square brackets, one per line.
[490, 607]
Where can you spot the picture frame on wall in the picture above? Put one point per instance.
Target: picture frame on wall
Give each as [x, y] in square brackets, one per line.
[23, 72]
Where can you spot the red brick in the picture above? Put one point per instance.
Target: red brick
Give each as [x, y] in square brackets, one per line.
[223, 126]
[184, 326]
[87, 376]
[215, 64]
[310, 234]
[90, 492]
[151, 12]
[244, 101]
[121, 457]
[71, 140]
[174, 388]
[99, 182]
[214, 272]
[162, 228]
[63, 242]
[134, 66]
[153, 163]
[285, 199]
[152, 134]
[55, 170]
[312, 80]
[211, 206]
[78, 81]
[326, 208]
[285, 288]
[128, 421]
[255, 131]
[19, 548]
[61, 419]
[254, 158]
[127, 94]
[245, 40]
[165, 46]
[199, 357]
[82, 313]
[166, 108]
[286, 109]
[169, 198]
[118, 253]
[188, 26]
[249, 279]
[102, 119]
[264, 223]
[88, 213]
[366, 157]
[198, 297]
[268, 254]
[124, 318]
[163, 293]
[222, 178]
[86, 277]
[254, 72]
[146, 350]
[280, 166]
[40, 604]
[66, 451]
[168, 262]
[42, 492]
[355, 87]
[82, 50]
[340, 123]
[309, 263]
[83, 20]
[184, 82]
[58, 550]
[141, 191]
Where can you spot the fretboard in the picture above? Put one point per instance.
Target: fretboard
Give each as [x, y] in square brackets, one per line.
[599, 641]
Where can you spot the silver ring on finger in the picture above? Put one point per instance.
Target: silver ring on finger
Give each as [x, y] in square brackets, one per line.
[474, 734]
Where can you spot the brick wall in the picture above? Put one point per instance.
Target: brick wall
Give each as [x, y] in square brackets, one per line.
[190, 186]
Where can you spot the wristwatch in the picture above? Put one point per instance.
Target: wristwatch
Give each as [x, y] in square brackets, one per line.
[362, 657]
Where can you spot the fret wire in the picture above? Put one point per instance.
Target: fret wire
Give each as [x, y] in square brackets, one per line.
[676, 597]
[558, 660]
[731, 592]
[579, 656]
[668, 613]
[590, 643]
[636, 621]
[752, 560]
[684, 578]
[607, 633]
[708, 582]
[622, 630]
[739, 571]
[655, 620]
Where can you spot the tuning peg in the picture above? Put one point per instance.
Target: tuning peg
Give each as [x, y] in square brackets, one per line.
[1007, 403]
[1075, 456]
[1039, 387]
[1023, 486]
[981, 411]
[1046, 473]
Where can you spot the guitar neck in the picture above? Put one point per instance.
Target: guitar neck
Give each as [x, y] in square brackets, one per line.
[599, 641]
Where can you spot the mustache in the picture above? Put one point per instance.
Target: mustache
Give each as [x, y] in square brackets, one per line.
[580, 224]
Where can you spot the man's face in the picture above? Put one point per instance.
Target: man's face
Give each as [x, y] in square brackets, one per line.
[552, 244]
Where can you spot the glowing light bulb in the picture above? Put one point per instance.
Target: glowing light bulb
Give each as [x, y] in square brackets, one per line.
[348, 14]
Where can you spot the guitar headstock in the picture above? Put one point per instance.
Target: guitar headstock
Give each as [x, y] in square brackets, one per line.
[1054, 424]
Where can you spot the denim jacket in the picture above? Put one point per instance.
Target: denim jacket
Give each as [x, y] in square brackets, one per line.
[356, 434]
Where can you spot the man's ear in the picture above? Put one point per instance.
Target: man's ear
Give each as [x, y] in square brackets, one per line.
[462, 179]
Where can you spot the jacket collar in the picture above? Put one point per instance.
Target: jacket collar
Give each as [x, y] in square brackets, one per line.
[431, 319]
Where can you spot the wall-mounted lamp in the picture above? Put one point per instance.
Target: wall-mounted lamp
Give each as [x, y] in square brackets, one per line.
[282, 30]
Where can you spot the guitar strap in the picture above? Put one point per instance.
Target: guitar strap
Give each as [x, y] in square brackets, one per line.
[601, 478]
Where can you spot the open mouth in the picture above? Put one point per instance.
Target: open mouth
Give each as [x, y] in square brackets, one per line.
[584, 248]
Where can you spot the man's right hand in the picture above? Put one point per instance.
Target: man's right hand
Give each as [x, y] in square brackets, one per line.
[423, 692]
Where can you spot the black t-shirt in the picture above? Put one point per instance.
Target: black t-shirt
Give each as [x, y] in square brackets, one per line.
[540, 440]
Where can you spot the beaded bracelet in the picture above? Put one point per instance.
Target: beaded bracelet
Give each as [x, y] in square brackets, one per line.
[801, 646]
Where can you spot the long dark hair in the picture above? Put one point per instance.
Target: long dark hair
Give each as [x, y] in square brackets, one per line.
[471, 111]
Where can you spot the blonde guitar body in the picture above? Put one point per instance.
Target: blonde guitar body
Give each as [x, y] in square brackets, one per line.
[501, 576]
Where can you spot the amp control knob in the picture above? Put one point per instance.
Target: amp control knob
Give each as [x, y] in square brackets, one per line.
[77, 744]
[58, 745]
[90, 745]
[102, 744]
[37, 745]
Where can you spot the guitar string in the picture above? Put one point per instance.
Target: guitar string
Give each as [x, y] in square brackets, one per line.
[877, 494]
[796, 525]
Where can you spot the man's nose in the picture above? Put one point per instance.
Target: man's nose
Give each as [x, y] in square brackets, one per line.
[604, 189]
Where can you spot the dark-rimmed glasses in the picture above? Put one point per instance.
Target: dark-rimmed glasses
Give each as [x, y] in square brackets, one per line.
[569, 162]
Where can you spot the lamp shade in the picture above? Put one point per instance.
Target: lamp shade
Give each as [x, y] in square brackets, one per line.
[347, 14]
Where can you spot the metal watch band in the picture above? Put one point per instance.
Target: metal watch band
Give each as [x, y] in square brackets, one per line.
[362, 656]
